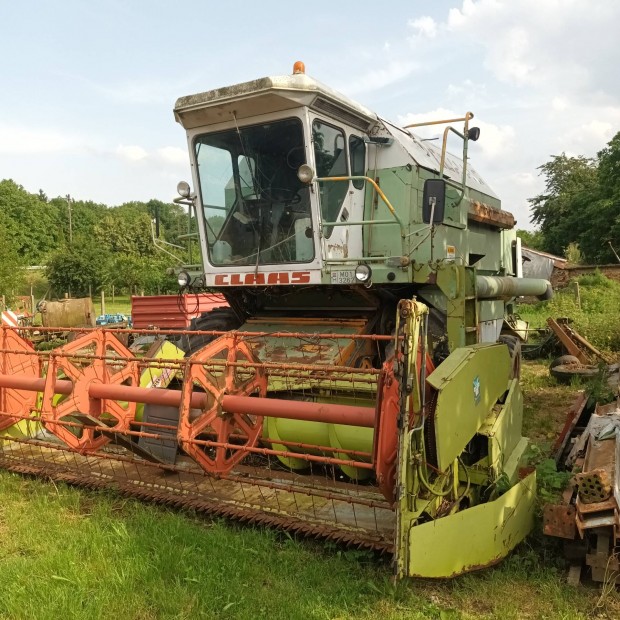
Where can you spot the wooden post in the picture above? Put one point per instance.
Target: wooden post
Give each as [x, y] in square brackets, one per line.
[113, 293]
[102, 301]
[577, 295]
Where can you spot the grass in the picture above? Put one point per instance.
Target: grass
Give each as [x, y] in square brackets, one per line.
[75, 554]
[120, 305]
[70, 553]
[592, 301]
[545, 404]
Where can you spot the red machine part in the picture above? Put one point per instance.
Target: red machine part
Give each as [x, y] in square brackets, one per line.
[17, 358]
[95, 358]
[386, 431]
[96, 378]
[217, 381]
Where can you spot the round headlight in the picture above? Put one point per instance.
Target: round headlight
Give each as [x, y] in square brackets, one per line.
[184, 189]
[305, 173]
[363, 273]
[183, 279]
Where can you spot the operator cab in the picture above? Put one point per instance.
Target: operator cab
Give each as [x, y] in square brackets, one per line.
[258, 222]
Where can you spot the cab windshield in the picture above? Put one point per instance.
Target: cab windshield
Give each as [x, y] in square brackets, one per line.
[256, 211]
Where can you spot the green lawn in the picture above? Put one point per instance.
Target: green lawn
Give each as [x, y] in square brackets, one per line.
[70, 553]
[120, 305]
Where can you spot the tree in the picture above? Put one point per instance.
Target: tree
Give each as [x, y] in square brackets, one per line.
[11, 269]
[31, 224]
[532, 239]
[125, 230]
[581, 204]
[78, 268]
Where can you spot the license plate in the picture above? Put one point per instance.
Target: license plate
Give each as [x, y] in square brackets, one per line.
[343, 277]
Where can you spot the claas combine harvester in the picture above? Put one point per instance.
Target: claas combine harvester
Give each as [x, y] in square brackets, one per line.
[358, 385]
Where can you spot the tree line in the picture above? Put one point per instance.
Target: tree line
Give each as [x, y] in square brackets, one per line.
[86, 246]
[579, 210]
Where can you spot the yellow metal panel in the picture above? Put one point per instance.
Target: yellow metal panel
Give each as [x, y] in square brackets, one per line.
[473, 538]
[469, 382]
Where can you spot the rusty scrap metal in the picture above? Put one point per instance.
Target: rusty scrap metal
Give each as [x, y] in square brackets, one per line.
[574, 343]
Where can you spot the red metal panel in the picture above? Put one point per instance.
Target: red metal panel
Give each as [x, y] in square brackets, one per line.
[172, 311]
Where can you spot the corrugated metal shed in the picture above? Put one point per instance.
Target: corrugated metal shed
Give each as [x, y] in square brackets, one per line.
[172, 311]
[537, 264]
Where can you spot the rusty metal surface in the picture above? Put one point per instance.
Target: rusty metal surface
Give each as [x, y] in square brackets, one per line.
[562, 331]
[309, 505]
[84, 427]
[68, 313]
[167, 311]
[559, 520]
[480, 212]
[572, 417]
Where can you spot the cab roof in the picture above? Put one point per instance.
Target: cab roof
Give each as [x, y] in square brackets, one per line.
[269, 94]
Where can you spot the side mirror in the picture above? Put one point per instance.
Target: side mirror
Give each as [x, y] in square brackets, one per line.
[434, 201]
[473, 133]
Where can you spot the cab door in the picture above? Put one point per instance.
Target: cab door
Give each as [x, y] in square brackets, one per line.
[340, 201]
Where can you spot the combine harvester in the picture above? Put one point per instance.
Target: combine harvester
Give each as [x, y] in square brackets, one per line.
[357, 387]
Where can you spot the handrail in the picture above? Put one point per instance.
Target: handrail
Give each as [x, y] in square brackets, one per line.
[444, 147]
[379, 191]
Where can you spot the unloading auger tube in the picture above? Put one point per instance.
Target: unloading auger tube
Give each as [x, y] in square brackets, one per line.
[325, 450]
[493, 287]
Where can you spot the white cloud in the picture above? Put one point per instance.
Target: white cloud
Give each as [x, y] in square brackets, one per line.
[30, 140]
[424, 26]
[541, 74]
[173, 155]
[525, 179]
[551, 43]
[589, 137]
[162, 158]
[131, 153]
[377, 79]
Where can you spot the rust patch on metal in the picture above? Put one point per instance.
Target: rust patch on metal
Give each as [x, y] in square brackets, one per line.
[559, 520]
[482, 213]
[572, 417]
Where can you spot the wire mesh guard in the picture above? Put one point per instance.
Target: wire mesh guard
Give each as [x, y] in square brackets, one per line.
[277, 427]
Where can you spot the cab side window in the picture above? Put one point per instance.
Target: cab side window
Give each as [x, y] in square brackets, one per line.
[357, 155]
[331, 161]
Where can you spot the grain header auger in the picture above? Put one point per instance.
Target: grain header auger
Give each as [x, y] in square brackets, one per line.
[358, 386]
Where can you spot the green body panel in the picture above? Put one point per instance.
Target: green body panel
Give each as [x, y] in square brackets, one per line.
[490, 309]
[458, 284]
[400, 185]
[473, 538]
[455, 238]
[469, 383]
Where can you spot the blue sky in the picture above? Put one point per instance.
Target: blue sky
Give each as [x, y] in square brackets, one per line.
[87, 89]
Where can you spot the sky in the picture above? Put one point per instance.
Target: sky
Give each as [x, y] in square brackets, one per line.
[87, 88]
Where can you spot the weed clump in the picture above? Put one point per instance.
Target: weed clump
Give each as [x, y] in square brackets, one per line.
[591, 301]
